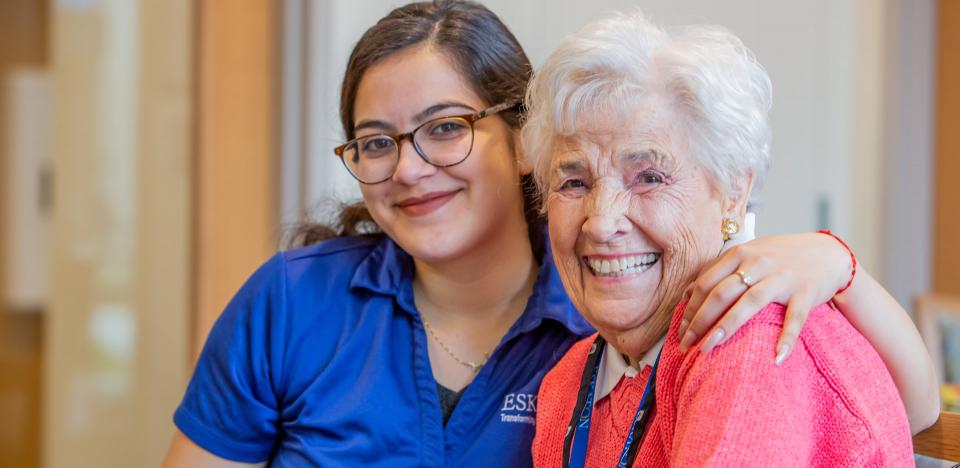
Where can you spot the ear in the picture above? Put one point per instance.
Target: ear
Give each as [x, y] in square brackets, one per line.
[522, 164]
[735, 203]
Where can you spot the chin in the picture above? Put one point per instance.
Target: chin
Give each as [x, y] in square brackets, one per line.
[617, 319]
[629, 332]
[431, 252]
[434, 243]
[638, 341]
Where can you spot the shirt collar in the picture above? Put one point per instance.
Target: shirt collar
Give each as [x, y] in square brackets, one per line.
[384, 270]
[389, 270]
[613, 366]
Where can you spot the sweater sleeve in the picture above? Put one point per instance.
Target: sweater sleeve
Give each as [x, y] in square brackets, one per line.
[735, 407]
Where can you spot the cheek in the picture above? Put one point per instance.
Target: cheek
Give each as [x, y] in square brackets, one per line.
[697, 238]
[564, 220]
[685, 224]
[374, 198]
[493, 157]
[374, 195]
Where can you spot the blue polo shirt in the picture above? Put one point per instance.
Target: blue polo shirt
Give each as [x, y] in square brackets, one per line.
[321, 359]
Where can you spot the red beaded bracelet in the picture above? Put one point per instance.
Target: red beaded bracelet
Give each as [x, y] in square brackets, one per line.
[853, 258]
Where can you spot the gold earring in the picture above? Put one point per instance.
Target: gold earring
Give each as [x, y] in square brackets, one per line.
[729, 227]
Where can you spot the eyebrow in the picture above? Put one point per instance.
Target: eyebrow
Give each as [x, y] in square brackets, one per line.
[419, 118]
[430, 111]
[569, 165]
[646, 154]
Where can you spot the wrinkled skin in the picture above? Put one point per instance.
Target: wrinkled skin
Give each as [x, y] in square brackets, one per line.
[633, 191]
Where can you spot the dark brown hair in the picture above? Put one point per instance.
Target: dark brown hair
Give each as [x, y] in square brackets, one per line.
[484, 51]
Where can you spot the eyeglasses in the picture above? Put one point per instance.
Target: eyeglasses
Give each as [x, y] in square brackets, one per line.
[442, 142]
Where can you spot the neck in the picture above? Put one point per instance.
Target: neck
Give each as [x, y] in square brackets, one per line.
[636, 362]
[472, 301]
[483, 284]
[634, 344]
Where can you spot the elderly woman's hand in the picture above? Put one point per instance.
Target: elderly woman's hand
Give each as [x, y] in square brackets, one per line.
[800, 271]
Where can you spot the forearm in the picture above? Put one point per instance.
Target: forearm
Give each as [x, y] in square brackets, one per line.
[184, 452]
[888, 327]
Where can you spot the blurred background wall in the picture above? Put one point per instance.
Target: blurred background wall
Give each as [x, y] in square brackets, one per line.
[24, 46]
[117, 328]
[153, 153]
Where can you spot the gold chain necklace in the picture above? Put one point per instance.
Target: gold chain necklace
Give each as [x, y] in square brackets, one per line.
[472, 365]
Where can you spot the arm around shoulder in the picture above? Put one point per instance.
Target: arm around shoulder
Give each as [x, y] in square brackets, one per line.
[891, 331]
[736, 407]
[831, 403]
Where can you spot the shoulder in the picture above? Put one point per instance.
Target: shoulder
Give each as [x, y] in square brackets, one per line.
[334, 246]
[828, 346]
[828, 352]
[555, 403]
[332, 263]
[340, 252]
[564, 378]
[834, 383]
[570, 366]
[295, 281]
[330, 259]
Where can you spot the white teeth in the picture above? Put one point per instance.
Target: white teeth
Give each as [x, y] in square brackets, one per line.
[630, 264]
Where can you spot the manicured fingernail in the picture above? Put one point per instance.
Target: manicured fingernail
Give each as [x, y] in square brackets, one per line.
[683, 327]
[783, 350]
[689, 338]
[714, 340]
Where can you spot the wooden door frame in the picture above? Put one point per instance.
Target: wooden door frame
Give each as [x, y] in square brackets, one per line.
[237, 167]
[946, 258]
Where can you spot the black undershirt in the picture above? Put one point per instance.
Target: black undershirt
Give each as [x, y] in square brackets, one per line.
[448, 400]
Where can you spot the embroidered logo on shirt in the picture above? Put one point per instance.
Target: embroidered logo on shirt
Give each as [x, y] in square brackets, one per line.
[519, 408]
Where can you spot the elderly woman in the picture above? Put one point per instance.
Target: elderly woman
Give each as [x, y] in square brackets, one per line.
[648, 147]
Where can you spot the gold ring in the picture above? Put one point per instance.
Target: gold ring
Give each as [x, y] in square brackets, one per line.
[745, 278]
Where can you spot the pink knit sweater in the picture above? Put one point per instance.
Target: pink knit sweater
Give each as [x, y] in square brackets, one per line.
[831, 403]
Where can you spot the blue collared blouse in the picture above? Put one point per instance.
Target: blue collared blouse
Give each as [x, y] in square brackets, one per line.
[321, 359]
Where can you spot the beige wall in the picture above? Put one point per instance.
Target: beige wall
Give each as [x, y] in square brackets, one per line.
[23, 34]
[117, 332]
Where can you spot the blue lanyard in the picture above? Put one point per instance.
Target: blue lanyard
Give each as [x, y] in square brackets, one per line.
[578, 432]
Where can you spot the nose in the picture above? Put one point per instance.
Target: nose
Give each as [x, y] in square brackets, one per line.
[410, 166]
[606, 216]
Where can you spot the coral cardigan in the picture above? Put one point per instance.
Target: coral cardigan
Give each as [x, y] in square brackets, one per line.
[831, 403]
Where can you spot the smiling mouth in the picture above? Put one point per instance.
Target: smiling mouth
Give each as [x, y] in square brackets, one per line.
[621, 266]
[426, 204]
[430, 197]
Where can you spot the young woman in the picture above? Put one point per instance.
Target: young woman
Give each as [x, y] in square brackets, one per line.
[424, 345]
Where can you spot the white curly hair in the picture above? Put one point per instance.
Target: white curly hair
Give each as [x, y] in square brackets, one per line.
[720, 93]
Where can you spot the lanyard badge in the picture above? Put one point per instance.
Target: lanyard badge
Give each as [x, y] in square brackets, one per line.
[578, 431]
